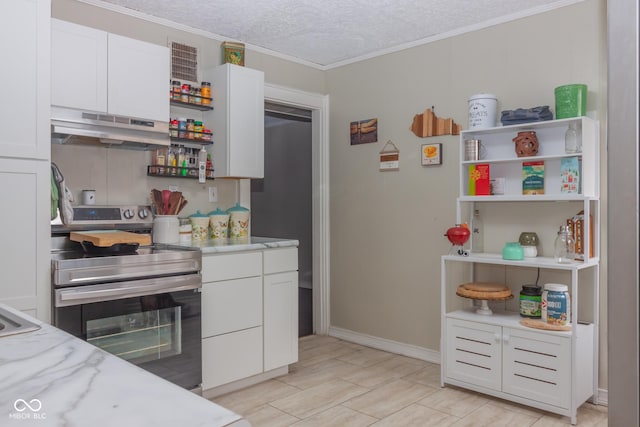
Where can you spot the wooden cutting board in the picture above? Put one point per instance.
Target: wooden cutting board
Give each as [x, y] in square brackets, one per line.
[539, 324]
[106, 238]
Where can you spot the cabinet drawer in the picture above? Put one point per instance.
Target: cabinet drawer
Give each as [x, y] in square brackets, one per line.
[537, 366]
[231, 266]
[280, 260]
[473, 353]
[231, 305]
[231, 357]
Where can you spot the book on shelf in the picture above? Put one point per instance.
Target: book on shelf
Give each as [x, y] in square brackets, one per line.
[479, 179]
[570, 175]
[533, 177]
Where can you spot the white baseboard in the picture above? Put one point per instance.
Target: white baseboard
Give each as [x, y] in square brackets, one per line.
[403, 349]
[409, 350]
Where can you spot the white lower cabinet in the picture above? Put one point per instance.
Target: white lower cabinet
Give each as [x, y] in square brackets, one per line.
[249, 319]
[534, 368]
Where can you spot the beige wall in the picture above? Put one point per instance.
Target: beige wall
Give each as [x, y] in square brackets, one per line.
[387, 227]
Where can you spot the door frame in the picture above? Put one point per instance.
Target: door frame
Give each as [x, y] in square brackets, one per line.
[319, 106]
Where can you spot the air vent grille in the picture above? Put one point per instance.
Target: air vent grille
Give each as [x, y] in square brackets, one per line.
[184, 62]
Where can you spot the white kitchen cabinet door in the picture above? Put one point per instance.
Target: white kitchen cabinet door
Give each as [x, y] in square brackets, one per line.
[474, 353]
[138, 78]
[25, 262]
[280, 319]
[231, 305]
[238, 122]
[537, 366]
[231, 357]
[78, 66]
[25, 74]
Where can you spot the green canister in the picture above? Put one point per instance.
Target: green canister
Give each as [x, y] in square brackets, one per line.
[530, 301]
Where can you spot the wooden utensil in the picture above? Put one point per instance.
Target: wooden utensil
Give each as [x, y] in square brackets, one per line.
[156, 200]
[173, 203]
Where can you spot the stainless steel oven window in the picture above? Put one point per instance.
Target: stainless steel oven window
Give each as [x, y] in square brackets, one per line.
[139, 337]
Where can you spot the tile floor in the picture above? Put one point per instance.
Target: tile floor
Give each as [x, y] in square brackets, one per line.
[338, 383]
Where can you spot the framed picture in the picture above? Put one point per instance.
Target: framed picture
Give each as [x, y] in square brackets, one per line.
[431, 154]
[364, 131]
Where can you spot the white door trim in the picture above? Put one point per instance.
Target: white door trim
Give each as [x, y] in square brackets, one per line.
[319, 106]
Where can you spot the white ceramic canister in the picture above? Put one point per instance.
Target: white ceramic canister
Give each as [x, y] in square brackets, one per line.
[483, 110]
[556, 304]
[238, 222]
[218, 224]
[199, 226]
[166, 229]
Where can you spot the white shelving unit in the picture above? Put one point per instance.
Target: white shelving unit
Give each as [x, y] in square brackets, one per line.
[495, 354]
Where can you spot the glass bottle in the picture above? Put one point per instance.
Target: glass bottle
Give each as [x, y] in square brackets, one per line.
[572, 139]
[564, 249]
[477, 232]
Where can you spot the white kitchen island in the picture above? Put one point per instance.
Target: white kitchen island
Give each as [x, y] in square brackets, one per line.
[50, 378]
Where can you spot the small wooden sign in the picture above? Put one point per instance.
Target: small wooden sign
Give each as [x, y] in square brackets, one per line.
[389, 157]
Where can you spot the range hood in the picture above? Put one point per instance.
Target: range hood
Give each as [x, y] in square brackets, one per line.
[75, 126]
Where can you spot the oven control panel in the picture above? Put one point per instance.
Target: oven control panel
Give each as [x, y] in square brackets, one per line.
[106, 215]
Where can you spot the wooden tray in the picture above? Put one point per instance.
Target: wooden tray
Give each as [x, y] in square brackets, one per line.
[503, 294]
[105, 238]
[539, 324]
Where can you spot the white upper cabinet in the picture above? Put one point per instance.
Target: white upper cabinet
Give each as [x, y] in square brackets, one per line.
[238, 122]
[24, 46]
[138, 78]
[97, 71]
[78, 66]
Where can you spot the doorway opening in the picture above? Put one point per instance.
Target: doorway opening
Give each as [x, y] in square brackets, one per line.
[281, 202]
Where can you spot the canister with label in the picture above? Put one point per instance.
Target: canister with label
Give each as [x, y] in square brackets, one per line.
[530, 301]
[556, 304]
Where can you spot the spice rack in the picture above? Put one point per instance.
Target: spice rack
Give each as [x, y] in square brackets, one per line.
[194, 106]
[176, 172]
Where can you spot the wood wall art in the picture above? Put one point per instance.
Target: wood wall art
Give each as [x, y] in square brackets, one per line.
[428, 124]
[364, 131]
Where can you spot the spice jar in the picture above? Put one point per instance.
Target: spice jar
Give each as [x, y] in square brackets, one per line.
[205, 92]
[184, 95]
[190, 128]
[197, 99]
[197, 129]
[182, 127]
[176, 90]
[173, 128]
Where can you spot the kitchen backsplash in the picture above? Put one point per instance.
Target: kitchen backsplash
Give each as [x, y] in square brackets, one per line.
[119, 176]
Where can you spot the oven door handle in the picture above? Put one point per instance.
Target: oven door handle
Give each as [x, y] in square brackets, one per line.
[112, 291]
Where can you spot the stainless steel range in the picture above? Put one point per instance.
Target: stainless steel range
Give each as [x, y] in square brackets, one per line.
[143, 305]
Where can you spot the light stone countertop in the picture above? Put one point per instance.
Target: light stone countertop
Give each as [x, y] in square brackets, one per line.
[50, 378]
[237, 245]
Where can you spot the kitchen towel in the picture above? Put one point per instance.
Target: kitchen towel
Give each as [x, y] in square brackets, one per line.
[64, 195]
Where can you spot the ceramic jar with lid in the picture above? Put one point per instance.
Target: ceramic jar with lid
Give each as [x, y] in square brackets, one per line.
[218, 224]
[238, 222]
[529, 242]
[199, 226]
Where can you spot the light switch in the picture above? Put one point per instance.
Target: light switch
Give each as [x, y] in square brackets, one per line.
[213, 194]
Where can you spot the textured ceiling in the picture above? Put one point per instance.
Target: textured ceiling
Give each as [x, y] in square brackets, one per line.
[328, 33]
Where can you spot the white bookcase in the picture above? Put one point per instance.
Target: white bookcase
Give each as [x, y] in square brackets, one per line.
[495, 354]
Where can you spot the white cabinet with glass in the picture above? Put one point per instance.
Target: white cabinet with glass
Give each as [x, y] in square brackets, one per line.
[495, 353]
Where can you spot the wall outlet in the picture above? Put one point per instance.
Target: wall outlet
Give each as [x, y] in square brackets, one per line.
[213, 194]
